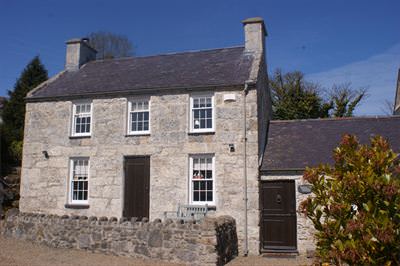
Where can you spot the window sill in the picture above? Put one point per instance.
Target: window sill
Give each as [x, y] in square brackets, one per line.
[201, 133]
[80, 137]
[76, 206]
[137, 134]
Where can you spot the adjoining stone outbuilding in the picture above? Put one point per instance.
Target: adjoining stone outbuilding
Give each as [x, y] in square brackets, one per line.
[292, 146]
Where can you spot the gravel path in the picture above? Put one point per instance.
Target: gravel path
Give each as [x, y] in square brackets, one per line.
[22, 253]
[269, 261]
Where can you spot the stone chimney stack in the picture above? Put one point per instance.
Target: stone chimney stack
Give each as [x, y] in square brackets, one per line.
[397, 99]
[79, 52]
[254, 35]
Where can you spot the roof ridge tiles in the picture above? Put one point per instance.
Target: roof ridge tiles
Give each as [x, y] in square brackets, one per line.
[165, 54]
[336, 119]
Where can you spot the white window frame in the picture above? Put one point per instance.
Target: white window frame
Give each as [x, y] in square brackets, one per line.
[70, 188]
[73, 127]
[202, 130]
[129, 122]
[191, 201]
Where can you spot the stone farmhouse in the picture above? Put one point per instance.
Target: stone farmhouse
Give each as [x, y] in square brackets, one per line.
[135, 137]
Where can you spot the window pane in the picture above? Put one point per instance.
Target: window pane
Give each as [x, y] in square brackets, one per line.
[209, 123]
[78, 109]
[208, 102]
[202, 113]
[203, 185]
[209, 196]
[202, 123]
[202, 102]
[209, 174]
[196, 196]
[196, 114]
[208, 113]
[196, 185]
[195, 102]
[202, 196]
[209, 185]
[146, 116]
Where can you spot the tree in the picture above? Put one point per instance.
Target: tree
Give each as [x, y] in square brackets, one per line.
[388, 107]
[14, 109]
[110, 45]
[345, 99]
[355, 207]
[295, 98]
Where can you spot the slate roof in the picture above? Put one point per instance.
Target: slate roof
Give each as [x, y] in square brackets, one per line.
[295, 144]
[218, 67]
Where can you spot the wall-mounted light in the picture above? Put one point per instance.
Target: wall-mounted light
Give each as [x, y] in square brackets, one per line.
[231, 147]
[46, 154]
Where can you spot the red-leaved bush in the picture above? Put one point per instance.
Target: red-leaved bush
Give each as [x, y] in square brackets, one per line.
[355, 205]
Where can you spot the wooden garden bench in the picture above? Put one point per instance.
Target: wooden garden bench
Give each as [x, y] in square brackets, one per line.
[188, 212]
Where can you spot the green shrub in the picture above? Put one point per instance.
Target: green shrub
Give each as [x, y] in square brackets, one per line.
[355, 206]
[16, 150]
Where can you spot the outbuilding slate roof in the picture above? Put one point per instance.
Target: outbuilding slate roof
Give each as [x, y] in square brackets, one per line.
[293, 145]
[208, 68]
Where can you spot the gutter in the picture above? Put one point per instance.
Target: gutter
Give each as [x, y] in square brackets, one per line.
[124, 93]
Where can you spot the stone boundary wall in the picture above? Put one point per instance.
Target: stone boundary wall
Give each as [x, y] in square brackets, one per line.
[213, 241]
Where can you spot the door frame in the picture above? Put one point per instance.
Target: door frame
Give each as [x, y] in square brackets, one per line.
[261, 246]
[123, 186]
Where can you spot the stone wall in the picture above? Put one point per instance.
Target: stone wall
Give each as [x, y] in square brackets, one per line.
[305, 228]
[44, 182]
[211, 242]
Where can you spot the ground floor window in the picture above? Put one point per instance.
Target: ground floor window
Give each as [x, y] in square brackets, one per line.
[79, 181]
[202, 179]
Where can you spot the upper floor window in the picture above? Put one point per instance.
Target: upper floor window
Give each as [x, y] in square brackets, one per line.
[139, 116]
[79, 181]
[202, 113]
[202, 179]
[82, 119]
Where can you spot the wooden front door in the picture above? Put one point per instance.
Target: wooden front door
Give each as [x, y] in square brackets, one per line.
[137, 187]
[278, 216]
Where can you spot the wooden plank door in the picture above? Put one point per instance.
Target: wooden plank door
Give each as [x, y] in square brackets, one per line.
[137, 187]
[278, 216]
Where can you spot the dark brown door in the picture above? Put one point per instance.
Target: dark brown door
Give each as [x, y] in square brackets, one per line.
[278, 216]
[137, 187]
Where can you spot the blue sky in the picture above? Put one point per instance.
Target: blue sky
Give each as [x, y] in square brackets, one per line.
[331, 41]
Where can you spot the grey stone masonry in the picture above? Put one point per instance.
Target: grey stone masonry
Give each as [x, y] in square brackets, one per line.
[211, 242]
[44, 182]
